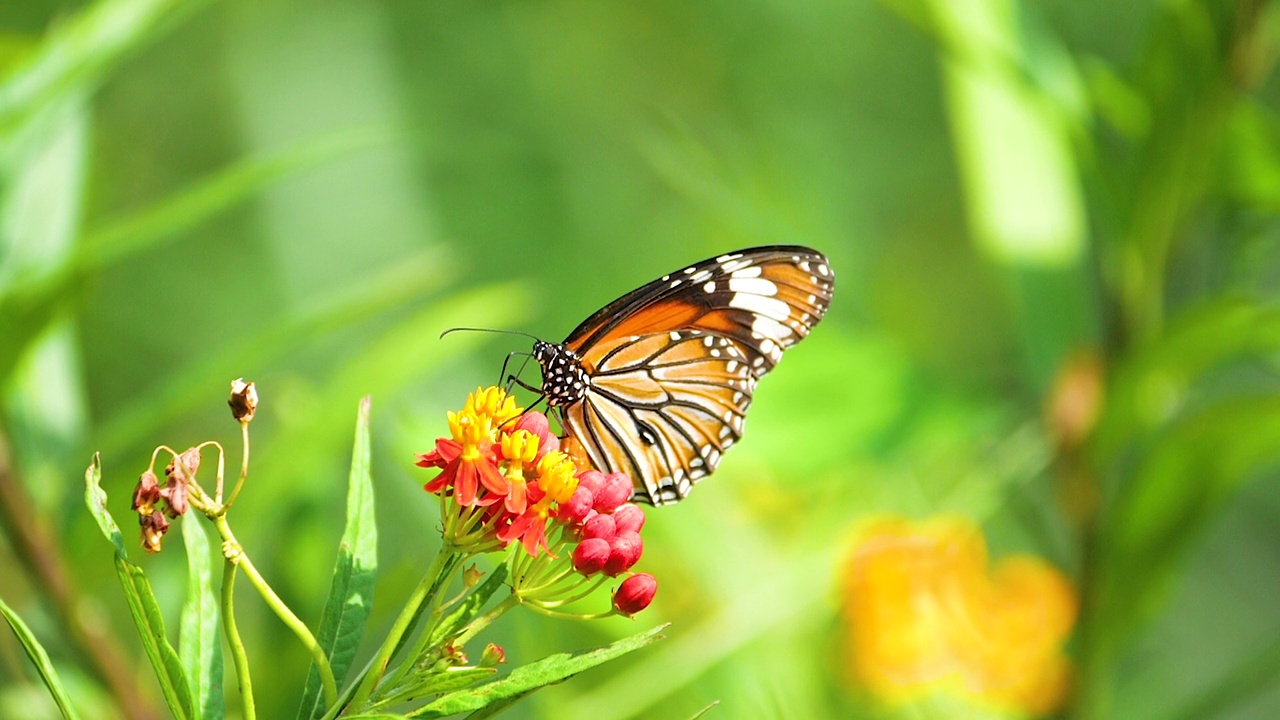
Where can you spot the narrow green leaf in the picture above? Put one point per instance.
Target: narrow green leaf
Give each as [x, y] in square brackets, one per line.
[376, 716]
[81, 51]
[525, 679]
[351, 593]
[199, 642]
[495, 708]
[469, 607]
[40, 659]
[164, 659]
[142, 602]
[123, 237]
[96, 498]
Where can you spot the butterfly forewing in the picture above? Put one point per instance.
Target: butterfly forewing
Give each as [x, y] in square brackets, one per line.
[672, 365]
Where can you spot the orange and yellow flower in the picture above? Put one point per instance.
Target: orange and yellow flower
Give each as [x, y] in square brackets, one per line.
[926, 613]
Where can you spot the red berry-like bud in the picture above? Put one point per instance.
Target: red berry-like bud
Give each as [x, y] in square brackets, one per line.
[574, 512]
[591, 555]
[592, 480]
[635, 593]
[536, 423]
[629, 518]
[624, 551]
[599, 526]
[616, 490]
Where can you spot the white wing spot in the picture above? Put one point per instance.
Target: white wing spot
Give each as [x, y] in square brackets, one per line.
[754, 286]
[769, 308]
[823, 270]
[710, 287]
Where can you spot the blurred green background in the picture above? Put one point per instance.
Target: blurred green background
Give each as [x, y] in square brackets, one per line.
[306, 193]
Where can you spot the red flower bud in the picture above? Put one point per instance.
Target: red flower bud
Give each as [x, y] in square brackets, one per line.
[574, 512]
[624, 551]
[635, 593]
[537, 424]
[592, 480]
[591, 555]
[628, 518]
[493, 655]
[616, 490]
[599, 526]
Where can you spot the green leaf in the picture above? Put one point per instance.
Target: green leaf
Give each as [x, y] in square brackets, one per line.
[239, 181]
[525, 679]
[351, 593]
[82, 49]
[96, 498]
[142, 602]
[469, 607]
[199, 642]
[40, 659]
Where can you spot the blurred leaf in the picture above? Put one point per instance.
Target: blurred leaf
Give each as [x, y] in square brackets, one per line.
[412, 277]
[527, 678]
[1153, 382]
[1237, 688]
[469, 607]
[1175, 489]
[351, 594]
[40, 659]
[81, 51]
[199, 641]
[222, 190]
[142, 602]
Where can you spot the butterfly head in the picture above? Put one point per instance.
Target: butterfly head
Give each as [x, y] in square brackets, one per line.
[564, 381]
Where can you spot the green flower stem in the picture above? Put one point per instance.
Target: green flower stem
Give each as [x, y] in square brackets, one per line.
[436, 612]
[244, 467]
[238, 655]
[567, 616]
[483, 621]
[237, 556]
[430, 586]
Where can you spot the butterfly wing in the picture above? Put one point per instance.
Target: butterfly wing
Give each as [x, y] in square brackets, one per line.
[764, 299]
[673, 364]
[663, 408]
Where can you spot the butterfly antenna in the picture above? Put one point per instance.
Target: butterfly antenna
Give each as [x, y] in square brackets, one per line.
[488, 330]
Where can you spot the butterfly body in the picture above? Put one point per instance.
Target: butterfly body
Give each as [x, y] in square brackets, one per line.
[657, 383]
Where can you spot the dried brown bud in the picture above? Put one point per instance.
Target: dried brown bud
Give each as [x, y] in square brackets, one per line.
[190, 459]
[154, 526]
[146, 494]
[243, 400]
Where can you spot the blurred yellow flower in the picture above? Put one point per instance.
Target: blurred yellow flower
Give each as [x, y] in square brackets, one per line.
[925, 613]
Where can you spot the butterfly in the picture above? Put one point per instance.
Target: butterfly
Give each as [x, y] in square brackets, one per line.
[657, 383]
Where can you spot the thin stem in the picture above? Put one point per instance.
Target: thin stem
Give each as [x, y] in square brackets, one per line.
[238, 655]
[428, 588]
[434, 619]
[483, 621]
[244, 466]
[238, 557]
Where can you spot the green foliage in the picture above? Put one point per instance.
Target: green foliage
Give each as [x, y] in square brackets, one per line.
[351, 594]
[40, 658]
[144, 609]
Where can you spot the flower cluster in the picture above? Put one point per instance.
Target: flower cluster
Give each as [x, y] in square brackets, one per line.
[926, 613]
[504, 478]
[156, 504]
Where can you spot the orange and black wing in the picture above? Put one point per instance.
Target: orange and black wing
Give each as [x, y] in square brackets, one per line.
[673, 364]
